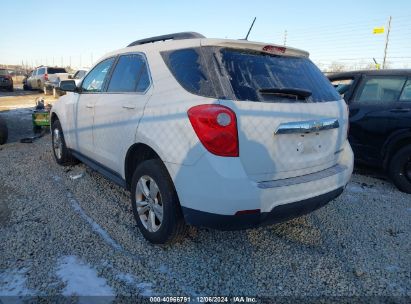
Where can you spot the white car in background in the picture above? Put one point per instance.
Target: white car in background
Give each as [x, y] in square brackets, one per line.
[78, 75]
[220, 133]
[44, 78]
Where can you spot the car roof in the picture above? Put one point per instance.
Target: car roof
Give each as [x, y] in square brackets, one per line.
[165, 43]
[387, 72]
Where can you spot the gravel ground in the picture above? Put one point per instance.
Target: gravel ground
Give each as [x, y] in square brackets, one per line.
[61, 235]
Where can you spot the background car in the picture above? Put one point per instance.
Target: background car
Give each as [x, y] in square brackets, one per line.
[380, 119]
[6, 81]
[44, 74]
[26, 85]
[79, 75]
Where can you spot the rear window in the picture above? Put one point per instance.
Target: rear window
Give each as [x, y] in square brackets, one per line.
[249, 76]
[56, 70]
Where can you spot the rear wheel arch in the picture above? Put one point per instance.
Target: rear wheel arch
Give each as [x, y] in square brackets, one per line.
[53, 118]
[393, 145]
[135, 155]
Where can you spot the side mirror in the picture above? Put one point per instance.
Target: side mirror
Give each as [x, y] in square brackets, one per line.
[70, 76]
[68, 86]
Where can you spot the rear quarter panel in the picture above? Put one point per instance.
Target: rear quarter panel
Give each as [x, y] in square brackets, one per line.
[165, 126]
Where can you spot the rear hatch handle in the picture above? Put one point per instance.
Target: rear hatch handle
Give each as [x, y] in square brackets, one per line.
[307, 126]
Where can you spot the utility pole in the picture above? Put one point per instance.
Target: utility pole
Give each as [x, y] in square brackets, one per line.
[285, 37]
[386, 42]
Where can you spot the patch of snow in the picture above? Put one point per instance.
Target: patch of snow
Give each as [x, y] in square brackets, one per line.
[56, 178]
[82, 280]
[96, 227]
[77, 176]
[163, 269]
[13, 283]
[145, 288]
[392, 268]
[354, 188]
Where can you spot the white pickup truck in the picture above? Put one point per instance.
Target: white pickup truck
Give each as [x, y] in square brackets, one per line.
[45, 78]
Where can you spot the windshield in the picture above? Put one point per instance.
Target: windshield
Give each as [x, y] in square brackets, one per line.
[245, 75]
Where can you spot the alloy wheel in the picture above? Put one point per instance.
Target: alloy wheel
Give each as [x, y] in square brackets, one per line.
[149, 203]
[57, 143]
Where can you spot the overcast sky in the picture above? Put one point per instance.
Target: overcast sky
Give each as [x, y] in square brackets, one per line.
[55, 32]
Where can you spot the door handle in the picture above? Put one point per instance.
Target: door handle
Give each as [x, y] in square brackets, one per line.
[400, 110]
[90, 106]
[130, 107]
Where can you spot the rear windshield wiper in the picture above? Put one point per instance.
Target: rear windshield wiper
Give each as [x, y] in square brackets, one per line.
[286, 92]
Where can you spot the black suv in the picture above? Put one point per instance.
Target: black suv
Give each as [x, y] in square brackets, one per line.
[380, 119]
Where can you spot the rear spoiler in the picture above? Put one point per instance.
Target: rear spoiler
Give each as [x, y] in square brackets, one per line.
[255, 46]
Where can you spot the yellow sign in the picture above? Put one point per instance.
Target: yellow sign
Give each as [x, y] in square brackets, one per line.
[378, 30]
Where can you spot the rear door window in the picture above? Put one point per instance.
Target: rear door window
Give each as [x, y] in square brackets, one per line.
[129, 75]
[41, 71]
[380, 89]
[406, 92]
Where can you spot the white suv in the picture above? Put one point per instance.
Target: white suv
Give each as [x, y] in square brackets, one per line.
[217, 133]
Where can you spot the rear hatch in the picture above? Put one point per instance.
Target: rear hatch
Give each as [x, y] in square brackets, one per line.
[291, 121]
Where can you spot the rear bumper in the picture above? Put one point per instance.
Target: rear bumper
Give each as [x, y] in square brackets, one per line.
[218, 188]
[244, 221]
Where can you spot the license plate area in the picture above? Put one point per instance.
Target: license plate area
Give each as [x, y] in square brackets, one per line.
[309, 143]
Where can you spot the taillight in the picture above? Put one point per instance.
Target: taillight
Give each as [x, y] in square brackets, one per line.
[46, 76]
[216, 128]
[274, 49]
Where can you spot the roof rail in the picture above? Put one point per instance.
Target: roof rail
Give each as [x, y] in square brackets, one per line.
[175, 36]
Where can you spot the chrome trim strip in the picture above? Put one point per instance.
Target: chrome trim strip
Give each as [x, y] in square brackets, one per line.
[302, 179]
[307, 126]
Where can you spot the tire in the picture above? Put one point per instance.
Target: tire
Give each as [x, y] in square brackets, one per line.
[400, 169]
[171, 227]
[61, 153]
[4, 132]
[10, 89]
[25, 87]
